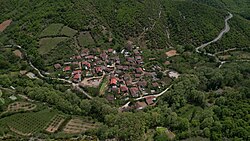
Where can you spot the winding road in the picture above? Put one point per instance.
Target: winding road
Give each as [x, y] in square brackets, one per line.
[225, 30]
[75, 86]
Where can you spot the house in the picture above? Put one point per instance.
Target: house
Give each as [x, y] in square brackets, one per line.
[67, 68]
[113, 81]
[138, 57]
[86, 64]
[98, 70]
[137, 75]
[142, 84]
[140, 105]
[57, 66]
[78, 57]
[110, 50]
[90, 57]
[124, 88]
[138, 70]
[139, 62]
[85, 52]
[115, 90]
[136, 52]
[103, 56]
[155, 84]
[134, 91]
[77, 77]
[130, 59]
[77, 72]
[150, 100]
[173, 74]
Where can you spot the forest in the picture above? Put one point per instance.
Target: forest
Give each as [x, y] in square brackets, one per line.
[207, 102]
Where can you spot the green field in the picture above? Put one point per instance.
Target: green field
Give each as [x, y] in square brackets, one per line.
[103, 87]
[28, 122]
[85, 39]
[51, 30]
[67, 31]
[47, 44]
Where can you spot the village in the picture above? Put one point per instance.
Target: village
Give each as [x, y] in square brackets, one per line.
[118, 74]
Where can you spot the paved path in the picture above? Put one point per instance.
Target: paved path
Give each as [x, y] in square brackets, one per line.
[225, 30]
[75, 86]
[156, 95]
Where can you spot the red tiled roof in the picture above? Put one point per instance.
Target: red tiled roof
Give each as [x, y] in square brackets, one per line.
[139, 70]
[137, 75]
[124, 88]
[155, 84]
[86, 64]
[150, 99]
[113, 81]
[77, 76]
[98, 69]
[77, 72]
[134, 91]
[67, 68]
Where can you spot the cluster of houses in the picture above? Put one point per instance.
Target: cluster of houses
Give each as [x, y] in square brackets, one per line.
[123, 69]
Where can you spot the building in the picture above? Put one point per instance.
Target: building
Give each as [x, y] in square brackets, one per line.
[134, 91]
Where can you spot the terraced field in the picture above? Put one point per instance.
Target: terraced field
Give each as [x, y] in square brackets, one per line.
[28, 123]
[47, 44]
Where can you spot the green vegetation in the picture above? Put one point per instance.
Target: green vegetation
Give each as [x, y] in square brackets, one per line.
[51, 30]
[205, 103]
[47, 44]
[28, 122]
[67, 31]
[85, 39]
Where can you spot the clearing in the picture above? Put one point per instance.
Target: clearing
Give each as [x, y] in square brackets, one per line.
[4, 25]
[47, 44]
[171, 53]
[67, 31]
[51, 30]
[77, 125]
[28, 123]
[55, 123]
[85, 39]
[18, 53]
[21, 106]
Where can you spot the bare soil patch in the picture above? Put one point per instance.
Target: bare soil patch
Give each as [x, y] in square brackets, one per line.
[21, 106]
[4, 25]
[18, 53]
[55, 123]
[78, 126]
[171, 53]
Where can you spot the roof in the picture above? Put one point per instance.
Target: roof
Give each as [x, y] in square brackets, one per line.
[104, 56]
[155, 84]
[113, 81]
[67, 68]
[98, 69]
[124, 88]
[142, 83]
[139, 70]
[137, 75]
[140, 105]
[57, 66]
[86, 64]
[150, 99]
[77, 71]
[134, 91]
[77, 76]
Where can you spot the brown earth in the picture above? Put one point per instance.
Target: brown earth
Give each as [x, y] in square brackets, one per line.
[77, 126]
[171, 53]
[4, 25]
[55, 124]
[18, 53]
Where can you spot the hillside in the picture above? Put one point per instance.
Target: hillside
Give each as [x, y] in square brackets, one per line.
[125, 70]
